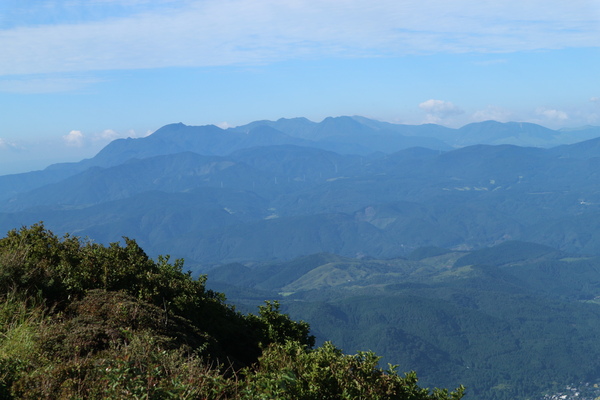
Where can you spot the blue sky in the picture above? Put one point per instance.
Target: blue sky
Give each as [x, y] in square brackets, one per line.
[75, 74]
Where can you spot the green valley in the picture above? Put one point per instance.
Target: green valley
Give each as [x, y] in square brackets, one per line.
[509, 322]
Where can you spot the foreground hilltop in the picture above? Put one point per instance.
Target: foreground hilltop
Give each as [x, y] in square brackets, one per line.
[80, 320]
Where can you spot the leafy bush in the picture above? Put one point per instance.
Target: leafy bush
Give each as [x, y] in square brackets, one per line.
[292, 371]
[80, 320]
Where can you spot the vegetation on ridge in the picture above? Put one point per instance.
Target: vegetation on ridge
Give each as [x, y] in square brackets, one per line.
[82, 320]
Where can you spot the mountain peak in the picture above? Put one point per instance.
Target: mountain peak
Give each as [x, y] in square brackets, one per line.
[180, 128]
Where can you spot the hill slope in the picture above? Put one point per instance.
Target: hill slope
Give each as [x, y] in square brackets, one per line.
[511, 321]
[79, 320]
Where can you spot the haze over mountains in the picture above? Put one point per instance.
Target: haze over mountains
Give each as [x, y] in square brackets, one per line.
[348, 185]
[470, 255]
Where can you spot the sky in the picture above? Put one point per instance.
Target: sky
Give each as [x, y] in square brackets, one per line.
[76, 74]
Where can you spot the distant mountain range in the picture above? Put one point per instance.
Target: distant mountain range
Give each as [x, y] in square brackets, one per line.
[278, 190]
[469, 254]
[344, 135]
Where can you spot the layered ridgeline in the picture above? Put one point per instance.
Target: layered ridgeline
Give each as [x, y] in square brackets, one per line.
[80, 320]
[470, 257]
[349, 186]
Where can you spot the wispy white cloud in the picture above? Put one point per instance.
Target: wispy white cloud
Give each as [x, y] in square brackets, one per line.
[438, 110]
[226, 32]
[74, 139]
[106, 135]
[493, 113]
[552, 115]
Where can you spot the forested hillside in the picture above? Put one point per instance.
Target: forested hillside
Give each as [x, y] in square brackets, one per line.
[81, 320]
[512, 321]
[468, 258]
[257, 193]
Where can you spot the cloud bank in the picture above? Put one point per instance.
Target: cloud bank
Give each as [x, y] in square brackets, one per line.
[143, 34]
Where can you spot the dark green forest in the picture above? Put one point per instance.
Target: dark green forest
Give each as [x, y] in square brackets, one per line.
[513, 321]
[80, 320]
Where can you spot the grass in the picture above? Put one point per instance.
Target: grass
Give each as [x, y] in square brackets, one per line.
[19, 326]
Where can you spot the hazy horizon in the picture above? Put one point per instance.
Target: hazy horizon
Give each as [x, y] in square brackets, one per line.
[75, 75]
[49, 153]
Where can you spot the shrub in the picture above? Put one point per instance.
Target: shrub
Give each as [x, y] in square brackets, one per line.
[292, 371]
[80, 320]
